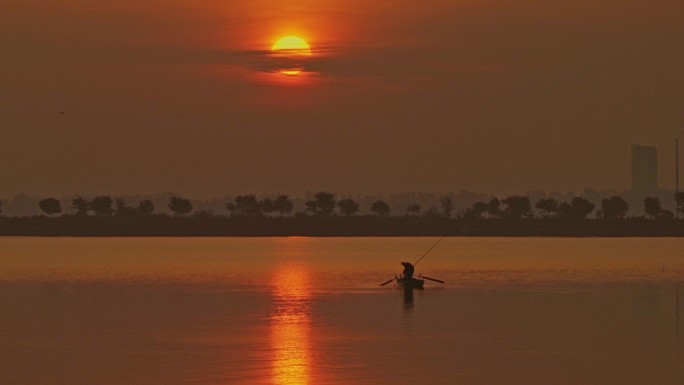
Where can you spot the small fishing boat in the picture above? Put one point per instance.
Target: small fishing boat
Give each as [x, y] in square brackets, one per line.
[410, 283]
[406, 281]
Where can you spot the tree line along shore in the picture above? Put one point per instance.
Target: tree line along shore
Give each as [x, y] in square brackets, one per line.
[247, 215]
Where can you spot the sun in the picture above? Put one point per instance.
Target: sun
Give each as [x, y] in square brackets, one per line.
[292, 45]
[291, 50]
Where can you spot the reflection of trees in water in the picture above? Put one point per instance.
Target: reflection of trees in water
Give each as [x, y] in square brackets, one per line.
[290, 326]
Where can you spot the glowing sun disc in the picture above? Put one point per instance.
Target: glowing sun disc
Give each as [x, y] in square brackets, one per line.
[289, 50]
[292, 44]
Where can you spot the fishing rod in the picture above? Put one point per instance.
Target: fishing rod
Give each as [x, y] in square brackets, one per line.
[428, 252]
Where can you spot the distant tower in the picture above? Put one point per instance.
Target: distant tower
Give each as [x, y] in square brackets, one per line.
[644, 175]
[676, 176]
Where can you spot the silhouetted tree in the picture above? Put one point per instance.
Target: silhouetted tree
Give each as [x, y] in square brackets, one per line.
[413, 209]
[248, 205]
[679, 201]
[267, 206]
[577, 209]
[652, 207]
[145, 207]
[480, 207]
[245, 205]
[50, 206]
[447, 204]
[180, 205]
[324, 204]
[80, 205]
[348, 207]
[494, 208]
[565, 211]
[547, 207]
[477, 210]
[102, 205]
[517, 207]
[122, 209]
[614, 207]
[283, 205]
[582, 207]
[311, 207]
[381, 208]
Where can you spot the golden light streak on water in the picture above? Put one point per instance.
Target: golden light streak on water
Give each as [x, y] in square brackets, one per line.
[290, 329]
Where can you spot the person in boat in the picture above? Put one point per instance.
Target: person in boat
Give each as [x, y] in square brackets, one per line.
[408, 270]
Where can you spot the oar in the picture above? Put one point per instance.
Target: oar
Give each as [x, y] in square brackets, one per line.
[388, 282]
[432, 279]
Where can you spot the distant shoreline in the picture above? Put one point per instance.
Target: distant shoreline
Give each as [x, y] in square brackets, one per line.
[334, 226]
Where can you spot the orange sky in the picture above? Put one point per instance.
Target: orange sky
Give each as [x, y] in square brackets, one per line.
[495, 96]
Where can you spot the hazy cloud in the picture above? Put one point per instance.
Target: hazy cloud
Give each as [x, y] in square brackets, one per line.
[442, 95]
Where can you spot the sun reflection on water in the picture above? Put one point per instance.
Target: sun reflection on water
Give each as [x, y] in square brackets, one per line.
[290, 326]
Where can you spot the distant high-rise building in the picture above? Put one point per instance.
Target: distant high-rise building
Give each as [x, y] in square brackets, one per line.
[644, 175]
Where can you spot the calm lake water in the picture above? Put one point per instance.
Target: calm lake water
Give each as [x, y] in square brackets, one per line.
[309, 311]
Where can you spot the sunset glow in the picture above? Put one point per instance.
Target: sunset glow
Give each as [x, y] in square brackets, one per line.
[290, 50]
[291, 72]
[440, 192]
